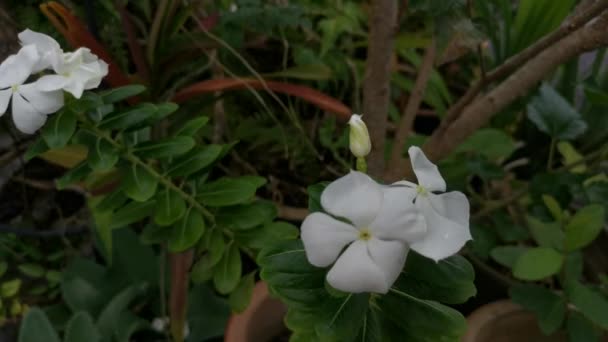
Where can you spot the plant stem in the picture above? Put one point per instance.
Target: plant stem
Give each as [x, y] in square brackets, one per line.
[361, 165]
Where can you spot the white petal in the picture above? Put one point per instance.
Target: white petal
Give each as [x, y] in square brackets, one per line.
[355, 196]
[355, 271]
[447, 224]
[398, 218]
[405, 183]
[427, 173]
[44, 102]
[51, 82]
[5, 98]
[25, 116]
[48, 49]
[389, 256]
[324, 238]
[17, 68]
[74, 87]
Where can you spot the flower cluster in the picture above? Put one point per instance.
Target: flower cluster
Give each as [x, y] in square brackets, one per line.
[73, 72]
[379, 224]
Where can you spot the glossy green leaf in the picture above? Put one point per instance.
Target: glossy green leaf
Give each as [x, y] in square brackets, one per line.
[241, 296]
[552, 114]
[102, 155]
[195, 160]
[36, 327]
[74, 175]
[592, 304]
[449, 281]
[490, 142]
[580, 329]
[246, 216]
[571, 156]
[80, 286]
[81, 328]
[36, 149]
[187, 231]
[155, 234]
[60, 128]
[228, 271]
[267, 235]
[138, 183]
[170, 207]
[584, 227]
[171, 147]
[191, 127]
[131, 213]
[507, 255]
[549, 308]
[538, 263]
[110, 316]
[129, 118]
[546, 234]
[9, 288]
[32, 270]
[226, 191]
[122, 93]
[553, 206]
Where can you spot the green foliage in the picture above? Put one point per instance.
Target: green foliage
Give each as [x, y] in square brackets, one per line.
[537, 263]
[36, 327]
[552, 114]
[584, 227]
[549, 308]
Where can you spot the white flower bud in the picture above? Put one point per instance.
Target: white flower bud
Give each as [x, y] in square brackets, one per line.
[360, 145]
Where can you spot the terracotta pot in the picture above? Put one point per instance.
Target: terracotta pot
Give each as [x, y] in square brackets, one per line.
[505, 321]
[260, 322]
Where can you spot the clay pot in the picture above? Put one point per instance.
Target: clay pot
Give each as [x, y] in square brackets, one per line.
[260, 322]
[505, 321]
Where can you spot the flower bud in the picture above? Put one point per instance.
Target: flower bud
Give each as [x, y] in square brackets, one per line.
[360, 145]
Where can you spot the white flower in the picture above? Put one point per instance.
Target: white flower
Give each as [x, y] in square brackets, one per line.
[360, 144]
[30, 103]
[76, 72]
[446, 214]
[383, 222]
[48, 49]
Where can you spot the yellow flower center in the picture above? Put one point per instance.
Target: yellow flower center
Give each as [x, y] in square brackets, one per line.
[14, 88]
[364, 234]
[422, 191]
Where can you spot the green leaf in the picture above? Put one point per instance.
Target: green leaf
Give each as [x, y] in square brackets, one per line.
[314, 196]
[81, 328]
[187, 231]
[131, 213]
[449, 281]
[226, 191]
[580, 329]
[535, 18]
[228, 271]
[267, 235]
[194, 161]
[590, 303]
[554, 207]
[60, 128]
[32, 270]
[110, 316]
[3, 268]
[313, 72]
[490, 142]
[546, 234]
[129, 118]
[138, 183]
[507, 255]
[207, 314]
[246, 216]
[76, 174]
[191, 127]
[240, 297]
[552, 114]
[571, 156]
[10, 288]
[171, 207]
[36, 149]
[538, 263]
[153, 234]
[80, 286]
[549, 308]
[171, 147]
[36, 327]
[102, 155]
[584, 227]
[122, 93]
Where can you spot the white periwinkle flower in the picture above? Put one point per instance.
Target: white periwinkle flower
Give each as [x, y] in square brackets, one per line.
[49, 51]
[76, 72]
[446, 214]
[383, 222]
[30, 103]
[360, 144]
